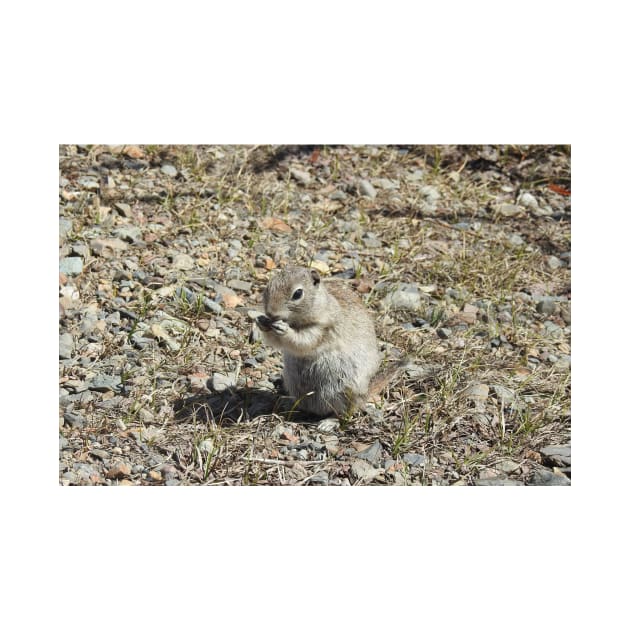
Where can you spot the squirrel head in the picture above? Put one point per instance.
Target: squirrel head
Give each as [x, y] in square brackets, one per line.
[297, 296]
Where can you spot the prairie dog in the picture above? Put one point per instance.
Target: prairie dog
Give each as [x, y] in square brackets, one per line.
[327, 338]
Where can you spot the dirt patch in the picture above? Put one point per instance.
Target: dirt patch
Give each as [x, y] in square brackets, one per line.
[463, 254]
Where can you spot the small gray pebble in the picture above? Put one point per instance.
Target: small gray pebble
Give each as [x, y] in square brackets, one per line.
[563, 362]
[90, 183]
[552, 329]
[508, 466]
[527, 200]
[145, 416]
[123, 208]
[366, 189]
[363, 470]
[319, 479]
[416, 371]
[546, 306]
[81, 398]
[386, 184]
[212, 306]
[554, 263]
[545, 477]
[113, 318]
[557, 455]
[499, 482]
[129, 233]
[71, 265]
[403, 297]
[100, 453]
[430, 193]
[140, 341]
[262, 356]
[543, 211]
[85, 471]
[65, 227]
[240, 285]
[371, 454]
[74, 420]
[508, 209]
[80, 250]
[183, 262]
[457, 293]
[104, 383]
[484, 305]
[506, 396]
[414, 459]
[375, 414]
[169, 169]
[229, 331]
[112, 403]
[88, 323]
[300, 176]
[186, 295]
[66, 345]
[372, 242]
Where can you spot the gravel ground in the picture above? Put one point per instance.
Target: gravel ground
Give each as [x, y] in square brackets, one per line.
[462, 253]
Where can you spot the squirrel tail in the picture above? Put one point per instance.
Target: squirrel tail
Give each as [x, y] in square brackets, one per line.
[386, 375]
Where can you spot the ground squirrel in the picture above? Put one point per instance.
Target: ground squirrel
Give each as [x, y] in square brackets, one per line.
[331, 356]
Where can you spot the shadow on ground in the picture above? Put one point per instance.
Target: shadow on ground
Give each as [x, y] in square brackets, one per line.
[236, 406]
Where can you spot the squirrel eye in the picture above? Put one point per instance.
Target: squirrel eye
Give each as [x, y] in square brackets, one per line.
[297, 294]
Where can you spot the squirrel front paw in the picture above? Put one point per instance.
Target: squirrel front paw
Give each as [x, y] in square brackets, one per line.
[280, 327]
[263, 322]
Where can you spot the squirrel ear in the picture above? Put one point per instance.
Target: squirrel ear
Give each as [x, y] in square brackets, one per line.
[315, 276]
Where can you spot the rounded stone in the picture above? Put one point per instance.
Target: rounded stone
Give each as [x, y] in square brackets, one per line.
[183, 262]
[169, 169]
[71, 265]
[366, 189]
[546, 306]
